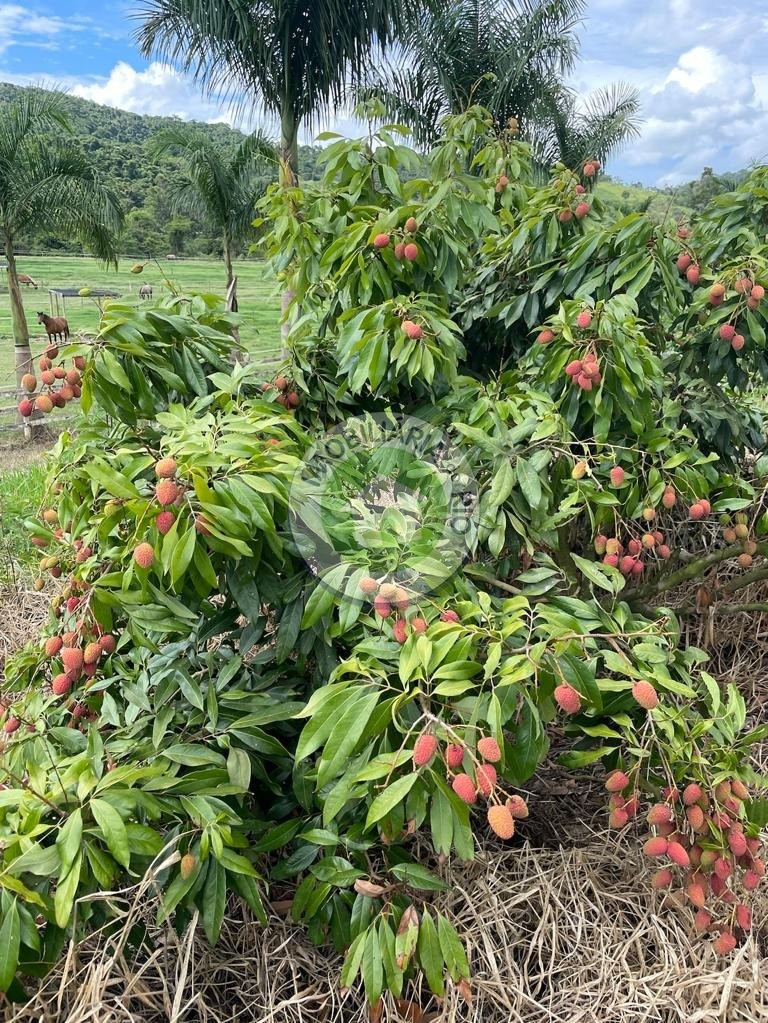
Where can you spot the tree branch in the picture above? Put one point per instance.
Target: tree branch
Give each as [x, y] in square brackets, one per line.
[694, 569]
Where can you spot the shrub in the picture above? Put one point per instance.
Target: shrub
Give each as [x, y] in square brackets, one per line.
[445, 531]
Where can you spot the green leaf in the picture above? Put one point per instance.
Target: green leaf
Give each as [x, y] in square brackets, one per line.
[214, 900]
[416, 876]
[389, 798]
[431, 955]
[530, 484]
[66, 890]
[113, 830]
[10, 942]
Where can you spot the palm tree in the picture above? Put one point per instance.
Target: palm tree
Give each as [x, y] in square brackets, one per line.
[505, 55]
[46, 184]
[297, 58]
[571, 133]
[221, 186]
[510, 56]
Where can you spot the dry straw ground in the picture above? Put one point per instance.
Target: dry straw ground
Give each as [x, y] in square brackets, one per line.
[561, 927]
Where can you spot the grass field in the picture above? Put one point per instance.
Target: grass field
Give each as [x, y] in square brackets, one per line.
[259, 303]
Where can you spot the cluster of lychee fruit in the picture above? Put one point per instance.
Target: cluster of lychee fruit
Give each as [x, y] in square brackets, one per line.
[736, 530]
[405, 248]
[391, 599]
[473, 775]
[700, 834]
[628, 557]
[751, 294]
[287, 396]
[585, 372]
[56, 387]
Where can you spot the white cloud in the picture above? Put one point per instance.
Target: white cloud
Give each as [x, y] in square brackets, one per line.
[158, 89]
[20, 24]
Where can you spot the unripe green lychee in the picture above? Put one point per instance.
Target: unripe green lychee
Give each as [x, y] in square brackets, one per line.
[501, 821]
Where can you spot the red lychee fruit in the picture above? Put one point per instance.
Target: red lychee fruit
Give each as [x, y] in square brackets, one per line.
[72, 659]
[696, 511]
[424, 750]
[758, 292]
[92, 653]
[166, 468]
[664, 551]
[61, 685]
[382, 607]
[739, 789]
[518, 807]
[368, 585]
[545, 337]
[581, 210]
[573, 369]
[693, 273]
[411, 252]
[108, 643]
[584, 319]
[618, 818]
[53, 646]
[489, 750]
[634, 546]
[29, 382]
[293, 399]
[738, 343]
[400, 630]
[601, 544]
[696, 895]
[48, 377]
[737, 843]
[616, 781]
[727, 332]
[501, 821]
[413, 330]
[590, 169]
[617, 476]
[645, 694]
[662, 878]
[724, 944]
[43, 404]
[164, 522]
[612, 560]
[695, 816]
[660, 813]
[144, 555]
[411, 225]
[449, 616]
[419, 625]
[381, 241]
[716, 294]
[702, 921]
[564, 216]
[25, 408]
[678, 855]
[705, 505]
[627, 564]
[683, 262]
[281, 383]
[166, 492]
[655, 847]
[72, 376]
[486, 778]
[79, 362]
[454, 755]
[568, 699]
[745, 560]
[744, 917]
[692, 794]
[400, 250]
[464, 788]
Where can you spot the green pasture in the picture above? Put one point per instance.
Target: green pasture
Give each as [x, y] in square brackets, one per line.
[258, 299]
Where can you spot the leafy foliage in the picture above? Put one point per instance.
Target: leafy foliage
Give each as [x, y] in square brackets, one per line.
[218, 691]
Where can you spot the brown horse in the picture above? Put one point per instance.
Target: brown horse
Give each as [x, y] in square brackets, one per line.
[56, 327]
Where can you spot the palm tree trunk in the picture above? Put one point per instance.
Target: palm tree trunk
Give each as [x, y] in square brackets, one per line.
[289, 178]
[228, 260]
[20, 329]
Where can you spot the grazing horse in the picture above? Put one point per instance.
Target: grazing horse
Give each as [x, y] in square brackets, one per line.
[145, 291]
[56, 327]
[26, 279]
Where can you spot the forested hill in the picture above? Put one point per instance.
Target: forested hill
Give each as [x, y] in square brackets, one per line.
[116, 141]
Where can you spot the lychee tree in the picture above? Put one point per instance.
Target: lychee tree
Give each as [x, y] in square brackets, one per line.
[268, 668]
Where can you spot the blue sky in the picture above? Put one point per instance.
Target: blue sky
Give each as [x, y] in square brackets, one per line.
[701, 66]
